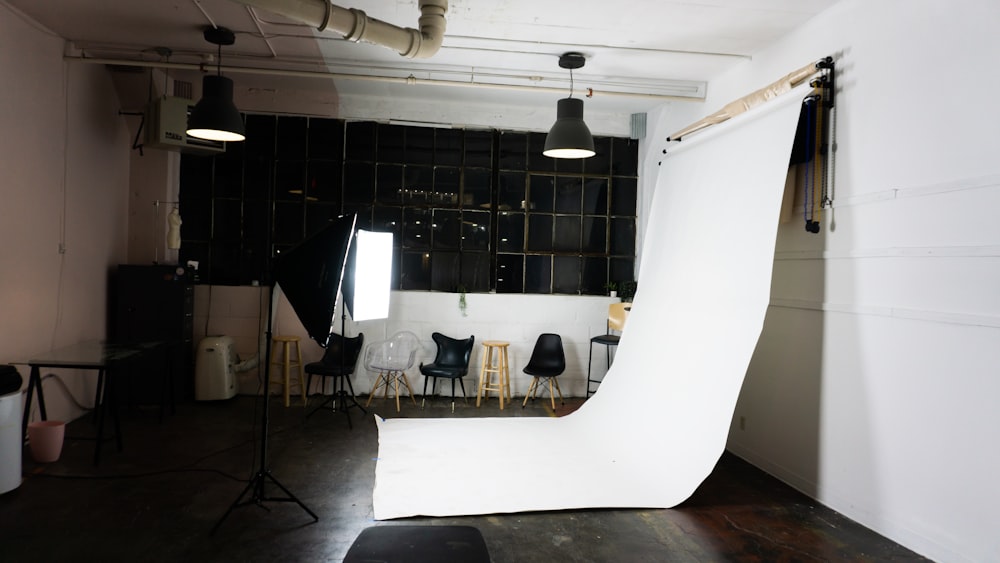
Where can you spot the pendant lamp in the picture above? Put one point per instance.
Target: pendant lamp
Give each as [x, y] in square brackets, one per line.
[569, 136]
[215, 117]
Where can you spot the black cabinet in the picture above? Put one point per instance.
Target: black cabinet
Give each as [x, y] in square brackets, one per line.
[154, 303]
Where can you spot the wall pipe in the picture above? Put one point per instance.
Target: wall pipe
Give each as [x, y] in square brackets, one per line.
[356, 26]
[411, 80]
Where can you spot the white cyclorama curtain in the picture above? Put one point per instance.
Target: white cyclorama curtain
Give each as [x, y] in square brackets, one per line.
[658, 423]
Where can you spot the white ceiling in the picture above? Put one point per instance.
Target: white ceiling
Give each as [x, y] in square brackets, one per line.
[659, 47]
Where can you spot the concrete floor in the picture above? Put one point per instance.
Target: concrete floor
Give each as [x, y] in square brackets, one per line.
[160, 497]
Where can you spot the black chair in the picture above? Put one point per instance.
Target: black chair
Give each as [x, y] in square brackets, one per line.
[451, 362]
[617, 315]
[547, 362]
[338, 362]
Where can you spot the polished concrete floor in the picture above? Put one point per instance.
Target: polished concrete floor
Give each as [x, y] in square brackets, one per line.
[159, 499]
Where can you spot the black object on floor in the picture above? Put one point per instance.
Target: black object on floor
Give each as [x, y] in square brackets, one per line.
[419, 544]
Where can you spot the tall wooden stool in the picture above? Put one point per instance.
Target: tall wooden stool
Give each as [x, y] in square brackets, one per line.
[286, 361]
[499, 365]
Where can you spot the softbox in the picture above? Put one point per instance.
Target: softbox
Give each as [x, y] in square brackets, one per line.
[311, 274]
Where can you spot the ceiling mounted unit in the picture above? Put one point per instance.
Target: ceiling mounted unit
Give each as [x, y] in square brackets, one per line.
[166, 126]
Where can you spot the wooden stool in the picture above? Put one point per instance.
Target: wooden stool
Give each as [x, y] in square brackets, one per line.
[501, 367]
[287, 362]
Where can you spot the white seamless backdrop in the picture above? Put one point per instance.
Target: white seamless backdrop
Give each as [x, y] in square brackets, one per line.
[658, 423]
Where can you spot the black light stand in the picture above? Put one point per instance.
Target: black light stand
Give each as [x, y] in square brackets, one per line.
[256, 485]
[340, 397]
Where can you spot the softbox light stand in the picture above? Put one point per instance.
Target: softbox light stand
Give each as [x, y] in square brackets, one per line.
[341, 399]
[310, 274]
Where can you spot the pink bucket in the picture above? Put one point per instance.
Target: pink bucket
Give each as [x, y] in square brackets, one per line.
[45, 438]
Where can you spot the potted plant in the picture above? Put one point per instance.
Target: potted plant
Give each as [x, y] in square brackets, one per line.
[626, 290]
[612, 288]
[462, 305]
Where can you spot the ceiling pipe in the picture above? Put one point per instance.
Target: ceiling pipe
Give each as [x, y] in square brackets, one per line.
[356, 26]
[409, 80]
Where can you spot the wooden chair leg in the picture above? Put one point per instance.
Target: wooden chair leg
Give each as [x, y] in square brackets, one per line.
[558, 390]
[531, 388]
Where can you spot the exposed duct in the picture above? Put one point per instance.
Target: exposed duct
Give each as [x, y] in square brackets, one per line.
[356, 26]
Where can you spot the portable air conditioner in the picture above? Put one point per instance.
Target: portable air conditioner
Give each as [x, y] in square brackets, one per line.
[215, 378]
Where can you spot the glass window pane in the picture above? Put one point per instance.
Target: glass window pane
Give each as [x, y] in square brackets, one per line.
[478, 188]
[622, 269]
[512, 150]
[511, 196]
[444, 271]
[391, 144]
[624, 157]
[415, 270]
[624, 193]
[256, 179]
[600, 163]
[539, 233]
[326, 139]
[510, 232]
[541, 193]
[510, 273]
[225, 263]
[418, 185]
[595, 196]
[538, 162]
[324, 181]
[359, 141]
[569, 194]
[420, 145]
[595, 235]
[623, 236]
[479, 148]
[447, 229]
[538, 274]
[417, 228]
[475, 230]
[291, 137]
[594, 276]
[448, 147]
[446, 185]
[566, 275]
[567, 234]
[359, 183]
[256, 215]
[260, 136]
[389, 220]
[227, 220]
[290, 180]
[389, 183]
[228, 181]
[288, 223]
[476, 271]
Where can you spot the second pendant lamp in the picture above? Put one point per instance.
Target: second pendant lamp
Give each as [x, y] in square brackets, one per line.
[569, 136]
[215, 117]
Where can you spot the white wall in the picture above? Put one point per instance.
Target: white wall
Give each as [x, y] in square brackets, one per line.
[241, 313]
[63, 182]
[874, 388]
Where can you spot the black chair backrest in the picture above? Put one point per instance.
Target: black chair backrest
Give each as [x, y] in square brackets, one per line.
[548, 357]
[452, 352]
[352, 347]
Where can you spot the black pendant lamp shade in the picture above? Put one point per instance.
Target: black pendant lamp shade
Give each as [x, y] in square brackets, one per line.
[215, 117]
[569, 136]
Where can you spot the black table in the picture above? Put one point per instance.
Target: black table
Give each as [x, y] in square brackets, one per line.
[97, 355]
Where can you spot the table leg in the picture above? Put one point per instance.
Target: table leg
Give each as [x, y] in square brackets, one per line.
[34, 380]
